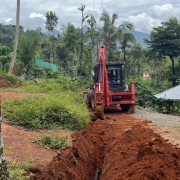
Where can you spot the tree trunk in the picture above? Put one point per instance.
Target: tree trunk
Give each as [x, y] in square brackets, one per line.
[4, 174]
[16, 38]
[173, 72]
[90, 66]
[80, 60]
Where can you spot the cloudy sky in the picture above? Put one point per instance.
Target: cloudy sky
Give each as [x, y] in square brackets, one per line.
[144, 14]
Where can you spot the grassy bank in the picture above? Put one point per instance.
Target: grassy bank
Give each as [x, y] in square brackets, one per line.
[64, 110]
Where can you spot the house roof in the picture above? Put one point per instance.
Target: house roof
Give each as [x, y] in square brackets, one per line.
[170, 94]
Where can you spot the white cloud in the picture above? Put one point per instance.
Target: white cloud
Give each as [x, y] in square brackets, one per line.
[37, 15]
[144, 14]
[8, 20]
[145, 22]
[164, 12]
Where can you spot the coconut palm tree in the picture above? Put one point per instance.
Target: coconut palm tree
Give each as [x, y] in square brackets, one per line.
[16, 38]
[111, 34]
[91, 33]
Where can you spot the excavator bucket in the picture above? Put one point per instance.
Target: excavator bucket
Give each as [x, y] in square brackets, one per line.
[99, 108]
[99, 112]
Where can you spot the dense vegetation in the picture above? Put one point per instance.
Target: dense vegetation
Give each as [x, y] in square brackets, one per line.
[62, 107]
[161, 59]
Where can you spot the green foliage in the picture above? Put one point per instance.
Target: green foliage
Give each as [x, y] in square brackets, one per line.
[65, 110]
[70, 37]
[10, 80]
[49, 141]
[28, 47]
[110, 34]
[164, 40]
[61, 84]
[34, 71]
[18, 170]
[7, 34]
[51, 20]
[144, 91]
[5, 57]
[62, 52]
[46, 47]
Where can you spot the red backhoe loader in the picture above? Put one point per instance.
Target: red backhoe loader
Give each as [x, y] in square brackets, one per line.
[109, 87]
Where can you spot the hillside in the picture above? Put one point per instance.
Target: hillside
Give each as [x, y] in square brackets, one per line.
[138, 35]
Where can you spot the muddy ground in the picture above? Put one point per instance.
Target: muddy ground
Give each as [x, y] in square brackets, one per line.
[144, 145]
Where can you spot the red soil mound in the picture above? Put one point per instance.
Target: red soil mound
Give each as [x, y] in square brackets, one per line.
[134, 154]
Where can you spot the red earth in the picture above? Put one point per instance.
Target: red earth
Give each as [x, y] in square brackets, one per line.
[119, 147]
[17, 141]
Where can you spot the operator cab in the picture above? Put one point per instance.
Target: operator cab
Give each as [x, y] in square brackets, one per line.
[115, 73]
[117, 80]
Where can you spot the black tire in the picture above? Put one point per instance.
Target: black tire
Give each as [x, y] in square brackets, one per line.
[125, 107]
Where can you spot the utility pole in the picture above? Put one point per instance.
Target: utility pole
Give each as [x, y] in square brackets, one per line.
[82, 20]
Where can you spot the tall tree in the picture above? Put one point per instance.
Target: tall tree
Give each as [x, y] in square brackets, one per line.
[125, 36]
[136, 53]
[70, 39]
[111, 34]
[61, 53]
[165, 40]
[51, 23]
[16, 37]
[82, 20]
[29, 45]
[91, 34]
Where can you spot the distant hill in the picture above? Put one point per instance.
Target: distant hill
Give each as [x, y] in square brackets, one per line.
[138, 35]
[56, 32]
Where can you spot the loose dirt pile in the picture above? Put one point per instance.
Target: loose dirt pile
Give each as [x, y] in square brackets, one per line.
[118, 153]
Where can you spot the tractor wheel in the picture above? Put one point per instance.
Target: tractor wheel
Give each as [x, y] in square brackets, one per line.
[125, 107]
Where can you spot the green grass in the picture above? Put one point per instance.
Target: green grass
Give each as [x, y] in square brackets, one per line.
[10, 80]
[48, 141]
[47, 86]
[18, 170]
[54, 111]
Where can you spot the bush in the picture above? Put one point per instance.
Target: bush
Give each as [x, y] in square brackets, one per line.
[49, 141]
[9, 80]
[18, 170]
[65, 110]
[60, 84]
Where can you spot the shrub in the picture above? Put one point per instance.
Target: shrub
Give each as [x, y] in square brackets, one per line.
[18, 170]
[9, 80]
[49, 141]
[62, 83]
[65, 110]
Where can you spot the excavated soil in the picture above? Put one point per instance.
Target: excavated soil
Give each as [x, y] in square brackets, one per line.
[120, 149]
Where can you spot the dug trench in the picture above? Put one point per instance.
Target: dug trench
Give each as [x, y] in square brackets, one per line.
[114, 149]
